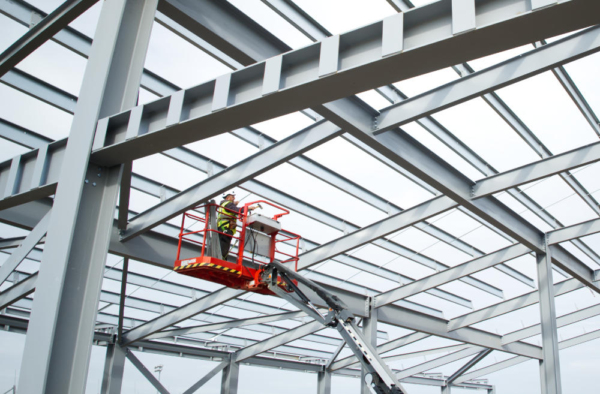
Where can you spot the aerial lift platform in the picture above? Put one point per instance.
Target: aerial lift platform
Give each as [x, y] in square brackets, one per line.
[263, 258]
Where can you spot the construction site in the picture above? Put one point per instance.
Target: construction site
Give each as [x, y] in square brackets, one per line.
[299, 196]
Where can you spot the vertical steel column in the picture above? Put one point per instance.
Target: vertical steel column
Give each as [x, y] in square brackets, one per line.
[59, 338]
[370, 331]
[445, 390]
[114, 368]
[229, 379]
[550, 366]
[324, 382]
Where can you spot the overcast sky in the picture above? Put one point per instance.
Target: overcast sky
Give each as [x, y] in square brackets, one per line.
[541, 102]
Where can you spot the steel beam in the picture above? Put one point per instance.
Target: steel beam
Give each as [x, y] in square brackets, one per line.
[561, 321]
[230, 377]
[180, 314]
[377, 230]
[385, 347]
[565, 80]
[324, 382]
[541, 169]
[114, 369]
[19, 254]
[18, 291]
[451, 274]
[296, 16]
[438, 362]
[41, 32]
[462, 370]
[511, 305]
[58, 345]
[572, 232]
[574, 267]
[518, 360]
[530, 138]
[247, 41]
[277, 340]
[369, 328]
[550, 366]
[361, 68]
[211, 374]
[147, 374]
[227, 325]
[235, 175]
[511, 71]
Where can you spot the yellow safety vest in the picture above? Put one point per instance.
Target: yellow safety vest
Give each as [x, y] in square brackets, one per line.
[226, 217]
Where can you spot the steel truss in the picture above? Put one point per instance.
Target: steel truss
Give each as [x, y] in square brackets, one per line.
[268, 80]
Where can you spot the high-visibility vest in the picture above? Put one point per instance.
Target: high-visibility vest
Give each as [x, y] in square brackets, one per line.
[226, 217]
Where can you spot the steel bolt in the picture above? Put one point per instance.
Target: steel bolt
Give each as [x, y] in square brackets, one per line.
[94, 184]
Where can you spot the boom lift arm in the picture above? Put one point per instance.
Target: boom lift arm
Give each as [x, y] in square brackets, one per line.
[380, 378]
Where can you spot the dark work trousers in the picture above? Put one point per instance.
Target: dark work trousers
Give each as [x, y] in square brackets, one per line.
[225, 240]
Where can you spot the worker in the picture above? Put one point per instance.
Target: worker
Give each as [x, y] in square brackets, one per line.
[227, 221]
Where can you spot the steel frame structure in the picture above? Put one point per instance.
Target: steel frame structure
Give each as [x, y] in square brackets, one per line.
[65, 192]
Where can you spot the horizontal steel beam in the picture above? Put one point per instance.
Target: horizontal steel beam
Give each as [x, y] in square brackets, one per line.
[180, 314]
[383, 348]
[277, 340]
[541, 169]
[226, 325]
[451, 274]
[493, 78]
[20, 253]
[574, 267]
[42, 31]
[235, 175]
[350, 63]
[572, 232]
[376, 230]
[518, 360]
[18, 291]
[511, 305]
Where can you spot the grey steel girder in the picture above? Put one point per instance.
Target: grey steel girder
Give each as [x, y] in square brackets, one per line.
[59, 342]
[226, 325]
[20, 253]
[180, 314]
[234, 175]
[23, 12]
[41, 32]
[541, 169]
[511, 305]
[468, 268]
[490, 79]
[565, 80]
[462, 370]
[572, 232]
[286, 89]
[385, 347]
[518, 360]
[17, 291]
[277, 340]
[530, 138]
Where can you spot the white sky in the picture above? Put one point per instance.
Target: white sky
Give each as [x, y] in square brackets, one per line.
[540, 102]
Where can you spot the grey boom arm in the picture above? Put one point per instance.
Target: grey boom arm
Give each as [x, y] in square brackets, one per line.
[379, 377]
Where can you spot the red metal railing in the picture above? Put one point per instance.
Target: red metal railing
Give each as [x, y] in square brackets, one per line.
[278, 239]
